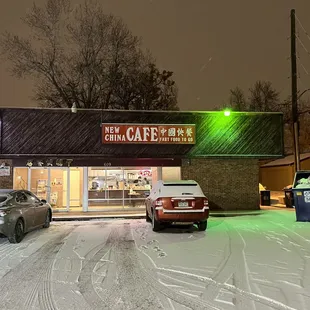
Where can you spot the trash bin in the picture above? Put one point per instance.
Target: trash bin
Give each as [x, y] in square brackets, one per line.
[288, 197]
[301, 193]
[265, 198]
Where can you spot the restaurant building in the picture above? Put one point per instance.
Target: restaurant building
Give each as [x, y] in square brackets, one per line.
[107, 160]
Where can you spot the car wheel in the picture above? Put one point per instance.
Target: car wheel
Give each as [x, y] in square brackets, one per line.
[18, 234]
[202, 226]
[47, 220]
[147, 218]
[156, 226]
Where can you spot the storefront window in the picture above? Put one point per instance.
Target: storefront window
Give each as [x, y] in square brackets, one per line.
[138, 183]
[39, 182]
[58, 192]
[105, 187]
[76, 189]
[20, 178]
[108, 187]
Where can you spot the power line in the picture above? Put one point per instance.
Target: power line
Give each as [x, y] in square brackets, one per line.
[301, 64]
[302, 27]
[302, 44]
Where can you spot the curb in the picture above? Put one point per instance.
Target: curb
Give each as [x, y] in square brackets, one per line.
[142, 216]
[96, 217]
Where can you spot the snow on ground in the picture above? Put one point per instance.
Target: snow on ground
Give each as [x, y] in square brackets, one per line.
[248, 262]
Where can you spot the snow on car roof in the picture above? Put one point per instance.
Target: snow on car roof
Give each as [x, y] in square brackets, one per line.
[180, 182]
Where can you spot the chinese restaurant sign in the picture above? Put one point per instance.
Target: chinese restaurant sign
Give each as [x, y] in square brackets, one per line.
[148, 134]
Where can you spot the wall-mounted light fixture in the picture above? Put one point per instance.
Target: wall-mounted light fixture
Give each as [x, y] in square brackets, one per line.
[74, 108]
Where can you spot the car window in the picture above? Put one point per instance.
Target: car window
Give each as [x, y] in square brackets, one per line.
[21, 197]
[3, 198]
[32, 197]
[181, 189]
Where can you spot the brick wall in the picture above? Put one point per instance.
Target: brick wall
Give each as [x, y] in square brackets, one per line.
[230, 184]
[6, 182]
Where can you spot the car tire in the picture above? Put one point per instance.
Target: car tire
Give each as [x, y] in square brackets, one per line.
[156, 226]
[202, 226]
[147, 218]
[47, 220]
[18, 234]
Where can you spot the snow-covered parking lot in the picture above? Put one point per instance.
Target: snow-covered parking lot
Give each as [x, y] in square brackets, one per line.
[248, 262]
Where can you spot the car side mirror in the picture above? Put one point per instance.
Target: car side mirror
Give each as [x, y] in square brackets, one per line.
[43, 201]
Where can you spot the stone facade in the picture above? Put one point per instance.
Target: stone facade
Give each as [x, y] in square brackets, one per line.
[229, 184]
[6, 182]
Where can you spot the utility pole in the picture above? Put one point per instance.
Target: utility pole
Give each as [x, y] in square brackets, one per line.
[294, 92]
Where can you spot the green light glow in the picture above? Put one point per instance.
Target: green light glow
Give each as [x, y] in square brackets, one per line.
[227, 113]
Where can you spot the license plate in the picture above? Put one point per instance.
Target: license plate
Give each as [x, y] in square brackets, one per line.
[182, 204]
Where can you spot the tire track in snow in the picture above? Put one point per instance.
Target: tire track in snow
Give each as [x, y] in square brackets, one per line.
[20, 285]
[130, 290]
[298, 242]
[128, 284]
[231, 288]
[85, 279]
[46, 300]
[234, 257]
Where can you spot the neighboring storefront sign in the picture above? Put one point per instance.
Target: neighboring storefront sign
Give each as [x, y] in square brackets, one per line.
[148, 134]
[99, 162]
[55, 162]
[5, 171]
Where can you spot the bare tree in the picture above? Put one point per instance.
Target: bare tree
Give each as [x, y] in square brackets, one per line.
[86, 56]
[263, 97]
[237, 100]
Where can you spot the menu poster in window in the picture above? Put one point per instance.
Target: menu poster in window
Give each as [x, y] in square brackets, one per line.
[5, 171]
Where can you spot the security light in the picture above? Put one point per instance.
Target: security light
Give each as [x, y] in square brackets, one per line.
[74, 108]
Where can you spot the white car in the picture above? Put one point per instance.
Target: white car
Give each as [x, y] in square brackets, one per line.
[175, 202]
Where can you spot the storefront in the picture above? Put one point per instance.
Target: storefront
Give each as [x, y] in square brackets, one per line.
[92, 188]
[96, 160]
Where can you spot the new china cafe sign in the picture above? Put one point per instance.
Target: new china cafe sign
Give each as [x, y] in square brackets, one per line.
[148, 134]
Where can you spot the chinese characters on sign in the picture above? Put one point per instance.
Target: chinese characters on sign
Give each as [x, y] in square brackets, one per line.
[148, 134]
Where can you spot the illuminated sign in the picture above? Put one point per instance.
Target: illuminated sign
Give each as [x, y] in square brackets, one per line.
[148, 134]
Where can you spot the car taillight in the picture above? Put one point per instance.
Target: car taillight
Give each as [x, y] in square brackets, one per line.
[4, 212]
[205, 203]
[158, 202]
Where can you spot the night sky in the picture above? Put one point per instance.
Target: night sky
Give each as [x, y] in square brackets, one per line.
[211, 46]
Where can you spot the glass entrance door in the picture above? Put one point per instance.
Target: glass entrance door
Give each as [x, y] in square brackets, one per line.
[58, 189]
[39, 183]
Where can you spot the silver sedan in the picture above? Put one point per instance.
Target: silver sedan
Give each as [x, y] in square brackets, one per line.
[20, 212]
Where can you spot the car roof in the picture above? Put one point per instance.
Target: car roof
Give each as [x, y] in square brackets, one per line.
[8, 191]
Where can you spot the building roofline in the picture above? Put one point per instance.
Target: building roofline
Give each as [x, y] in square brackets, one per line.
[141, 111]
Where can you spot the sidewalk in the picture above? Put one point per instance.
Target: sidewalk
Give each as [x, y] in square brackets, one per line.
[85, 216]
[80, 216]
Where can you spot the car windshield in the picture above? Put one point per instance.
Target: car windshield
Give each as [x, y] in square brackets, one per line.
[181, 189]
